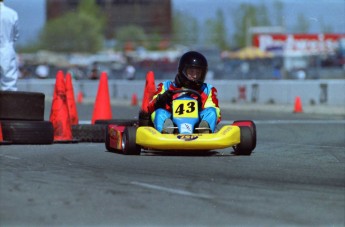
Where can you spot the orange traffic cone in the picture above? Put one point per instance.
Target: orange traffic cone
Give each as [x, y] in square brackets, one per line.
[72, 107]
[80, 97]
[134, 101]
[298, 105]
[149, 91]
[102, 108]
[59, 115]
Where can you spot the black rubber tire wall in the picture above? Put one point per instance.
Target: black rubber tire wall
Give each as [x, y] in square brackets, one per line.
[27, 132]
[97, 132]
[18, 105]
[124, 122]
[89, 132]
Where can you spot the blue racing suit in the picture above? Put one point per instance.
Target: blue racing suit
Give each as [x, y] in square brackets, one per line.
[210, 111]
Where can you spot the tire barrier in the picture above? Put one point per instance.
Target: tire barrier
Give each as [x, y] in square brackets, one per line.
[18, 105]
[21, 118]
[96, 132]
[27, 132]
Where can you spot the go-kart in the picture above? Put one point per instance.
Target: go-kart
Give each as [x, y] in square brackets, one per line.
[131, 139]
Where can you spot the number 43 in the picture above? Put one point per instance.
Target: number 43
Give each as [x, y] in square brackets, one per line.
[188, 107]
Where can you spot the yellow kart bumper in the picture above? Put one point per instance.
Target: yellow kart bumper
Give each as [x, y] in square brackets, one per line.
[149, 137]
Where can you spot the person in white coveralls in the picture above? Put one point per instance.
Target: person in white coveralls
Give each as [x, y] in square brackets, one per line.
[8, 36]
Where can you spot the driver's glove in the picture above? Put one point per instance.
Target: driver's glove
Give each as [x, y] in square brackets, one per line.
[163, 99]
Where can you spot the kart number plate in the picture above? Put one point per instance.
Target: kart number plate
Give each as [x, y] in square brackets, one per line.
[185, 109]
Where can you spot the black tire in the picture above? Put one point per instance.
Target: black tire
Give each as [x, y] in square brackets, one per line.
[129, 141]
[124, 122]
[252, 127]
[18, 105]
[145, 119]
[28, 132]
[246, 146]
[89, 132]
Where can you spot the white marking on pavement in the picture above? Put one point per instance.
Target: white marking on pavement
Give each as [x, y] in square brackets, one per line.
[304, 145]
[84, 122]
[270, 122]
[171, 190]
[9, 157]
[291, 122]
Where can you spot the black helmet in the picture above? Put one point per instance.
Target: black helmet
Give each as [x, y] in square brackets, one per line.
[191, 59]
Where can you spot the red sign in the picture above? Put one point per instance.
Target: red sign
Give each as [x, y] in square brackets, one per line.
[308, 43]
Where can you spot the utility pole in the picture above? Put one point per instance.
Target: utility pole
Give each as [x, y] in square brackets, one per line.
[248, 32]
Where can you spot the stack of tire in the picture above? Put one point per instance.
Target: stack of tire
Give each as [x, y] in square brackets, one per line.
[97, 133]
[22, 118]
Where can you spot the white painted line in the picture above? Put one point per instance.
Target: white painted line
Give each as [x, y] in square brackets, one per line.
[291, 122]
[171, 190]
[304, 145]
[270, 122]
[9, 157]
[84, 122]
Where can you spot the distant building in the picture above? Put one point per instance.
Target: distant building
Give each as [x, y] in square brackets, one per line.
[154, 16]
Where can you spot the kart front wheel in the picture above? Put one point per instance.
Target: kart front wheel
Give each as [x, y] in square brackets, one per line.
[251, 125]
[246, 146]
[129, 141]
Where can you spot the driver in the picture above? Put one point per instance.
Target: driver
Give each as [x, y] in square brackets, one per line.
[192, 69]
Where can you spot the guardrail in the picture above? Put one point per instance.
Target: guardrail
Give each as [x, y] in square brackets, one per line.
[326, 92]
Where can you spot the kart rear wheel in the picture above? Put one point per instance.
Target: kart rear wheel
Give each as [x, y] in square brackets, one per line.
[129, 141]
[246, 146]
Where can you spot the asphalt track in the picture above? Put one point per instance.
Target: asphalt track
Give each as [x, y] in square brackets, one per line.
[294, 177]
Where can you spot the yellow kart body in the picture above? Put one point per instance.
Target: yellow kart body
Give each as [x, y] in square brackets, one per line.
[149, 137]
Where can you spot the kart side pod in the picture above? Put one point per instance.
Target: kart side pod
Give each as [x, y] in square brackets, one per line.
[113, 140]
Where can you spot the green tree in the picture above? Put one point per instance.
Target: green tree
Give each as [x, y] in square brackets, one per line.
[80, 31]
[262, 16]
[72, 33]
[216, 31]
[325, 28]
[245, 17]
[153, 41]
[90, 8]
[29, 48]
[130, 34]
[279, 9]
[302, 24]
[185, 29]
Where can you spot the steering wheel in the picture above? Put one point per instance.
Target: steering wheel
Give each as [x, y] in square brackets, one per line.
[190, 91]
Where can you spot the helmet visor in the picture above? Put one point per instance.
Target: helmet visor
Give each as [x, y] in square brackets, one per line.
[195, 73]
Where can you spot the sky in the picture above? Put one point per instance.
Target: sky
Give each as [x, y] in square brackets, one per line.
[330, 12]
